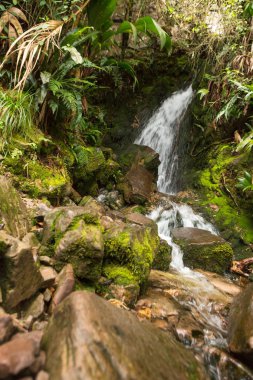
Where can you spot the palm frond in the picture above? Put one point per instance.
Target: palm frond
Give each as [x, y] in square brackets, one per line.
[31, 47]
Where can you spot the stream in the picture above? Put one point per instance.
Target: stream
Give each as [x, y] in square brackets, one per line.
[163, 133]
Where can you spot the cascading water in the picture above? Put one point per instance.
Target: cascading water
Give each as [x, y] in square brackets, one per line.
[162, 133]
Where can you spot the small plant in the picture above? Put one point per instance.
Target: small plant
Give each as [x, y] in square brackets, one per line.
[16, 113]
[245, 183]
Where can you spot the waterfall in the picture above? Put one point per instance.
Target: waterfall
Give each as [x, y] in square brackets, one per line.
[162, 133]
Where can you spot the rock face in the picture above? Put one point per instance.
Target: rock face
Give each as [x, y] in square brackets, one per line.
[203, 250]
[19, 276]
[12, 210]
[98, 341]
[240, 328]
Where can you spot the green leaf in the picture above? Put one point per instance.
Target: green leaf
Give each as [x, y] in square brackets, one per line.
[128, 27]
[100, 12]
[148, 24]
[203, 92]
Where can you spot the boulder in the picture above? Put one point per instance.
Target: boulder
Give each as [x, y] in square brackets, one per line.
[19, 354]
[99, 341]
[83, 247]
[138, 185]
[13, 211]
[19, 276]
[143, 155]
[203, 250]
[74, 235]
[240, 325]
[132, 246]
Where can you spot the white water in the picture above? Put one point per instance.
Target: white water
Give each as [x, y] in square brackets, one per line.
[162, 133]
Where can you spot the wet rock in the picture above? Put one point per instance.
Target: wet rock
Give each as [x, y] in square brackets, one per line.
[13, 210]
[223, 284]
[240, 327]
[48, 275]
[225, 366]
[103, 342]
[203, 250]
[19, 275]
[65, 285]
[19, 354]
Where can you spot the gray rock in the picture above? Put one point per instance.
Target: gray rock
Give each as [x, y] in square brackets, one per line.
[100, 341]
[19, 275]
[203, 250]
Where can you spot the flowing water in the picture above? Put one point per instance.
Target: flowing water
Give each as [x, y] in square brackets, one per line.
[163, 133]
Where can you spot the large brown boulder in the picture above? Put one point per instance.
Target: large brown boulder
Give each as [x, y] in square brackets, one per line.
[203, 250]
[240, 327]
[100, 342]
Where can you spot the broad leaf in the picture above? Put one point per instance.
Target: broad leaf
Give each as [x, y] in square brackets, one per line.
[148, 24]
[100, 12]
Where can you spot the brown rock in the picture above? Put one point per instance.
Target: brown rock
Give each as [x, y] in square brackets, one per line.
[49, 275]
[19, 354]
[7, 328]
[65, 285]
[138, 185]
[240, 327]
[101, 342]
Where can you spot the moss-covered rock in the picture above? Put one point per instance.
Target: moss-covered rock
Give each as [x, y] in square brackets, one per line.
[39, 180]
[132, 246]
[163, 257]
[13, 211]
[203, 250]
[219, 199]
[82, 246]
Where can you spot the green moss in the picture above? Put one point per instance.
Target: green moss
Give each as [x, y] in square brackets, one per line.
[119, 274]
[135, 248]
[216, 187]
[163, 257]
[37, 179]
[215, 257]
